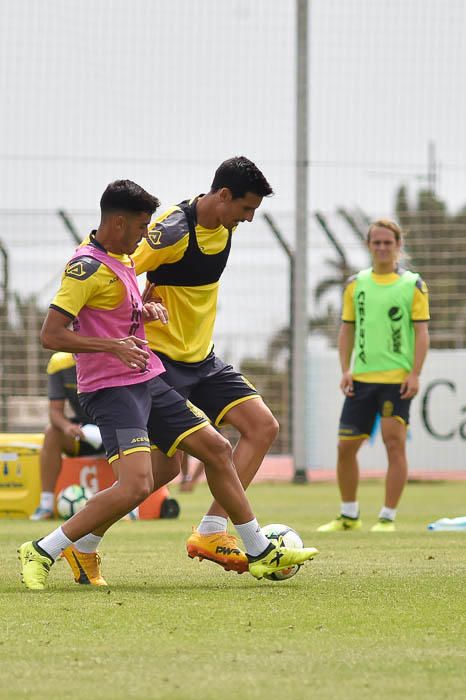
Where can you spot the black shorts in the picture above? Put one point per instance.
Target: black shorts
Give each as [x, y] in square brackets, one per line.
[210, 384]
[359, 412]
[132, 417]
[172, 417]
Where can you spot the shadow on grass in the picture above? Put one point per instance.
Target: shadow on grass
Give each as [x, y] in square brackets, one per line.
[152, 587]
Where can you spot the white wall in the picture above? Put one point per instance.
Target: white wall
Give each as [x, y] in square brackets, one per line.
[437, 436]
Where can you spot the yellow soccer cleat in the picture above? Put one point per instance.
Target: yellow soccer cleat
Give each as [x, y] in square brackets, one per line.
[384, 525]
[341, 524]
[35, 566]
[85, 566]
[220, 547]
[276, 558]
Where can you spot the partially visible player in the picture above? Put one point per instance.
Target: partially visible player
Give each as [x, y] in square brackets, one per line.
[119, 386]
[63, 435]
[184, 256]
[385, 328]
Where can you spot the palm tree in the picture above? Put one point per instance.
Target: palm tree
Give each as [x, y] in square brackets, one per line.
[328, 322]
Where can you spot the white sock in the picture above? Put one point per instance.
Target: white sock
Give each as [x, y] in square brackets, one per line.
[54, 543]
[210, 524]
[88, 543]
[350, 509]
[47, 500]
[387, 513]
[255, 542]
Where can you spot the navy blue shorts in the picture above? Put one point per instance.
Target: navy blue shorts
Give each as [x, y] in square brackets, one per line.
[359, 411]
[210, 384]
[131, 418]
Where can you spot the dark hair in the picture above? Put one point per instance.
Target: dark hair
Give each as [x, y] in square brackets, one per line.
[240, 175]
[125, 195]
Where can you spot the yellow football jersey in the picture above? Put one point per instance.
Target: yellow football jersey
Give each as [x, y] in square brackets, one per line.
[187, 337]
[87, 282]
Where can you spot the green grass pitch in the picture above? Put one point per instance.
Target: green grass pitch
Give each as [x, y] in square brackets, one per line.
[375, 615]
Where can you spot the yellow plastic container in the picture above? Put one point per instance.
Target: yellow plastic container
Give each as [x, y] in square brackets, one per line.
[19, 474]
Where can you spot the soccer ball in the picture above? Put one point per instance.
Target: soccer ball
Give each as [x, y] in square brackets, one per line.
[290, 539]
[72, 499]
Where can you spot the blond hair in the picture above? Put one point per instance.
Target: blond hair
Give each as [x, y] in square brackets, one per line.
[397, 232]
[388, 224]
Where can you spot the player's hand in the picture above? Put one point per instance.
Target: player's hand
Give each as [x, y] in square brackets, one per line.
[131, 351]
[410, 386]
[149, 294]
[73, 430]
[346, 384]
[154, 311]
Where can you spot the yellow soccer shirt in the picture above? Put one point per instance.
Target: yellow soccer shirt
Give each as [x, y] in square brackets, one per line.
[419, 312]
[187, 337]
[90, 283]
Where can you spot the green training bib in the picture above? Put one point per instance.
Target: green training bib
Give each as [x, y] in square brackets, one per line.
[384, 332]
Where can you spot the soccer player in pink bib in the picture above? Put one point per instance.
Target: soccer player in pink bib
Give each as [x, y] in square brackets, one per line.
[120, 387]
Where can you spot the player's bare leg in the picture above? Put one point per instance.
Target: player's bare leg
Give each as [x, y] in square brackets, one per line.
[134, 484]
[348, 468]
[348, 481]
[394, 437]
[258, 429]
[54, 444]
[216, 454]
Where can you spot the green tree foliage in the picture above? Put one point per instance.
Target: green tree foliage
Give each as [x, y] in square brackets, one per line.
[23, 362]
[272, 385]
[340, 269]
[436, 246]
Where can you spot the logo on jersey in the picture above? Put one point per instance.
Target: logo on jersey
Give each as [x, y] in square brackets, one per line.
[246, 381]
[387, 409]
[131, 438]
[81, 269]
[395, 315]
[361, 339]
[154, 238]
[136, 315]
[75, 270]
[197, 411]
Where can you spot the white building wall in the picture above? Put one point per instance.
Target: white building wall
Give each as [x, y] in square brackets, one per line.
[437, 434]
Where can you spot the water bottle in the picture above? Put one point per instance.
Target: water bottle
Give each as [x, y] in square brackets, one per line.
[450, 524]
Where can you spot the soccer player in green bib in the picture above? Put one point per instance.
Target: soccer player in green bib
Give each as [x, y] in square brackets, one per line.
[385, 330]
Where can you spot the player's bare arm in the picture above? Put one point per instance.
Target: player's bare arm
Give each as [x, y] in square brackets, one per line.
[345, 349]
[153, 308]
[60, 421]
[410, 386]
